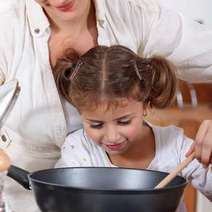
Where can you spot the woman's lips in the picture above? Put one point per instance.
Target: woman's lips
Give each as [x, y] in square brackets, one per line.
[66, 7]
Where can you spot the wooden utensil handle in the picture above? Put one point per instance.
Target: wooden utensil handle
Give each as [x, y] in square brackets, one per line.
[174, 173]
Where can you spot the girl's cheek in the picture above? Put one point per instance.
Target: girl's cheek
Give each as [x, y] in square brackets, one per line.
[132, 132]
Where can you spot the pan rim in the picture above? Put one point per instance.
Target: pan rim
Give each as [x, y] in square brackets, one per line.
[94, 190]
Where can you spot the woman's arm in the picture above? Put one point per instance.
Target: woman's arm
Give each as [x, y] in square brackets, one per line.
[8, 24]
[202, 145]
[185, 42]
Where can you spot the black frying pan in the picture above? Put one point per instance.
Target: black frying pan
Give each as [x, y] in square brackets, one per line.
[100, 189]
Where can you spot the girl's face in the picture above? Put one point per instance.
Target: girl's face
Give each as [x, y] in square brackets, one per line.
[65, 9]
[115, 129]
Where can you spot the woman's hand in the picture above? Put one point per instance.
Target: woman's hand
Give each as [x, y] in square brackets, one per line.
[202, 145]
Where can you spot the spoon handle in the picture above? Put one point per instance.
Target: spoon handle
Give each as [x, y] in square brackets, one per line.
[174, 173]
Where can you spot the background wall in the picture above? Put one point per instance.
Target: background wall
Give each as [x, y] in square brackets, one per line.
[200, 10]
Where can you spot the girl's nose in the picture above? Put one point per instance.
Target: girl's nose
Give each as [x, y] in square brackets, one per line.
[112, 135]
[57, 2]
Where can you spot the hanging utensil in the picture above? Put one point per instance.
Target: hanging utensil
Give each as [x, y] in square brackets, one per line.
[8, 96]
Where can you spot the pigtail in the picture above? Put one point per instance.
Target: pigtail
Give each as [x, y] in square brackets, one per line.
[63, 71]
[163, 82]
[157, 81]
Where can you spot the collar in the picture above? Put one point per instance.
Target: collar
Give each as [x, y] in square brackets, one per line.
[37, 19]
[39, 22]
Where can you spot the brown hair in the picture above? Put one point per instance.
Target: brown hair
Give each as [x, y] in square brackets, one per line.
[108, 73]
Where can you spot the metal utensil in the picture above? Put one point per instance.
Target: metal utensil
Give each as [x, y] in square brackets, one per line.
[8, 96]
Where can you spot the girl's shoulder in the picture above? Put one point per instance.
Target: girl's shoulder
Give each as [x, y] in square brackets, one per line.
[79, 150]
[77, 141]
[73, 150]
[171, 137]
[169, 130]
[77, 136]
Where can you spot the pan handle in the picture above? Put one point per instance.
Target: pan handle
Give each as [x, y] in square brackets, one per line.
[20, 176]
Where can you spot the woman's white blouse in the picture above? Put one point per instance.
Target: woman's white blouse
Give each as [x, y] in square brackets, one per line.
[37, 126]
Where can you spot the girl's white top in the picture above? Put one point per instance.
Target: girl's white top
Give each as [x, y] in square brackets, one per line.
[171, 146]
[37, 125]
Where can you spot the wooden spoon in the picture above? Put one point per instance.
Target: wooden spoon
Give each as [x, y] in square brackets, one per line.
[174, 173]
[5, 161]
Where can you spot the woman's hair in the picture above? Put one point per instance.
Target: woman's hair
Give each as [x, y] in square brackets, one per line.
[113, 73]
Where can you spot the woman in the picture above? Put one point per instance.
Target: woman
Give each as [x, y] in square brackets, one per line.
[35, 33]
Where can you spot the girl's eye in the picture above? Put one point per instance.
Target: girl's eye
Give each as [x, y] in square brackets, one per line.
[124, 122]
[96, 126]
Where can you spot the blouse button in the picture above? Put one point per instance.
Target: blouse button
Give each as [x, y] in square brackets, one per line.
[37, 31]
[3, 138]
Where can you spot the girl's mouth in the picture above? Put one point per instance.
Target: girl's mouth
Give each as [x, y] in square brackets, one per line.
[116, 147]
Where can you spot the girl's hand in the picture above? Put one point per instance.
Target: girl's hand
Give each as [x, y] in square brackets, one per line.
[202, 145]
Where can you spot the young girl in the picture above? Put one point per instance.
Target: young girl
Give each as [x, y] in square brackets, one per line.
[112, 88]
